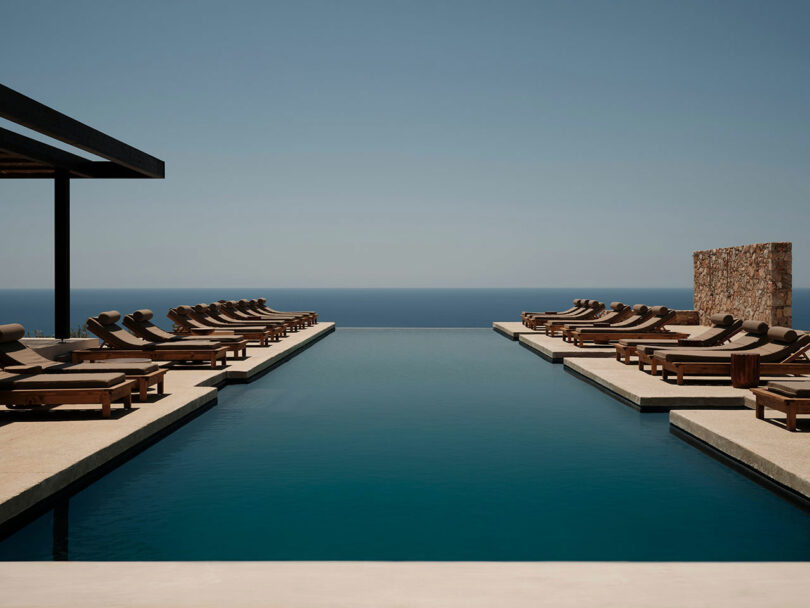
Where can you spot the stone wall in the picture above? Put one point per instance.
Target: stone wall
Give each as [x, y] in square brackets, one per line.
[750, 282]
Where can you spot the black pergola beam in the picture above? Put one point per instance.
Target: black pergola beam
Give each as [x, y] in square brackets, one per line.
[61, 254]
[43, 158]
[29, 113]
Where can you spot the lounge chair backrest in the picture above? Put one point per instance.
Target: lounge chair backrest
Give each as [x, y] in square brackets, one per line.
[617, 306]
[640, 314]
[140, 324]
[720, 330]
[784, 343]
[14, 352]
[658, 316]
[104, 326]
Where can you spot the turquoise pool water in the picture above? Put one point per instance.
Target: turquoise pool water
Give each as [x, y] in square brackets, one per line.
[414, 444]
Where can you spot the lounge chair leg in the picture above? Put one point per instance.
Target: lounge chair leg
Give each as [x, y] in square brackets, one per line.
[680, 375]
[160, 387]
[105, 405]
[244, 352]
[618, 355]
[627, 357]
[142, 388]
[760, 410]
[214, 361]
[791, 419]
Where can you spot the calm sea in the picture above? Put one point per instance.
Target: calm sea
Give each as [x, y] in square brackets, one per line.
[351, 307]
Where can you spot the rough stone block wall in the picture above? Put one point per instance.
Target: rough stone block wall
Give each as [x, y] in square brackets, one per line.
[750, 282]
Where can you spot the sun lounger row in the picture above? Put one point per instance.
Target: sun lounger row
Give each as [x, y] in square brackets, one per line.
[641, 332]
[28, 379]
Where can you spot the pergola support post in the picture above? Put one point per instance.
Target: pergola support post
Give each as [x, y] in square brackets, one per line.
[61, 250]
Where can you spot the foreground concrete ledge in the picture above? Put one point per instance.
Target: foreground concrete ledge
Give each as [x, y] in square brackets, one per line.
[764, 446]
[513, 329]
[649, 393]
[556, 350]
[405, 584]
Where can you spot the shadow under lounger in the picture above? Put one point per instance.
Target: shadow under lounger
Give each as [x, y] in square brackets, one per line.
[35, 390]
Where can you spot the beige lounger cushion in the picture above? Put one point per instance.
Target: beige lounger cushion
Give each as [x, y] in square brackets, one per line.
[722, 319]
[755, 327]
[782, 334]
[11, 332]
[799, 389]
[640, 309]
[119, 367]
[58, 381]
[109, 317]
[617, 306]
[142, 315]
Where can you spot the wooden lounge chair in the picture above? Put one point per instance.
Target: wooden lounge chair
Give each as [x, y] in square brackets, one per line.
[17, 357]
[754, 334]
[233, 310]
[790, 396]
[117, 343]
[242, 309]
[186, 321]
[223, 313]
[639, 313]
[784, 355]
[588, 311]
[618, 312]
[723, 327]
[35, 390]
[140, 324]
[579, 303]
[260, 305]
[651, 328]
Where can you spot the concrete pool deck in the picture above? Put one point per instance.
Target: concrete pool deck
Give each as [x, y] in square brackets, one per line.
[46, 452]
[405, 584]
[763, 446]
[514, 329]
[651, 394]
[556, 350]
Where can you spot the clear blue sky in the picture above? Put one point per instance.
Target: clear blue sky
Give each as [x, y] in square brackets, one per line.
[417, 143]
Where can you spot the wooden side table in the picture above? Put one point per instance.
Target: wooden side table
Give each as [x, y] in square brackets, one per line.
[744, 370]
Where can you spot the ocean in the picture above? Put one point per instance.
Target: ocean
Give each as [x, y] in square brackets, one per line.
[351, 307]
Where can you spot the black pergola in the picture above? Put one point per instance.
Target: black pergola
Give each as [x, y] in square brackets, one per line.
[24, 158]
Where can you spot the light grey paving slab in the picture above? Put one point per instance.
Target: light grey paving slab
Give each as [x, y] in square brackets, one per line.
[650, 393]
[556, 350]
[405, 584]
[762, 445]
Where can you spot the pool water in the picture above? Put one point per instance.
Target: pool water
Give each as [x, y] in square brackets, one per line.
[440, 444]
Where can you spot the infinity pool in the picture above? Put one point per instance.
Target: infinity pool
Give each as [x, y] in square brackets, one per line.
[421, 445]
